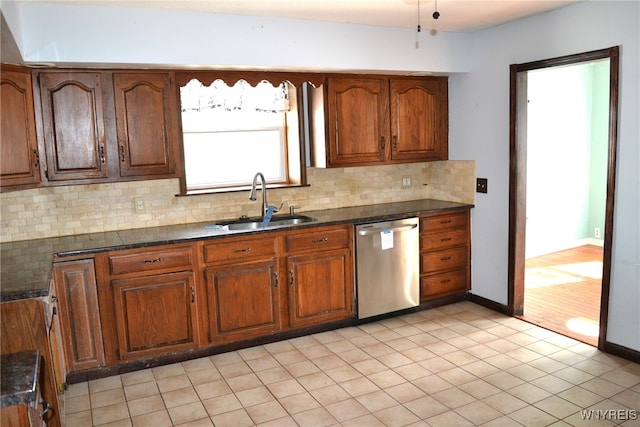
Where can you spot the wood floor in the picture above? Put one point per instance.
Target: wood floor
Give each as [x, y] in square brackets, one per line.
[562, 292]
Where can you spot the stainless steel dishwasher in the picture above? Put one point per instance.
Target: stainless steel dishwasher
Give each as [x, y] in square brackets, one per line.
[387, 266]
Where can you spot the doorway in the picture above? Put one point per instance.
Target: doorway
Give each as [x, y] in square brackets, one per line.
[564, 236]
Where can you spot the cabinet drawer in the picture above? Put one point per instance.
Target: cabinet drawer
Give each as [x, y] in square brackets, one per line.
[444, 260]
[446, 221]
[322, 238]
[238, 249]
[150, 260]
[443, 284]
[444, 239]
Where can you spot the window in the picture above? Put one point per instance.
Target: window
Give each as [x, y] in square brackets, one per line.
[232, 132]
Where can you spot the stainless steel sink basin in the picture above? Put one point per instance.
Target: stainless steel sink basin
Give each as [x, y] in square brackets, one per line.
[276, 221]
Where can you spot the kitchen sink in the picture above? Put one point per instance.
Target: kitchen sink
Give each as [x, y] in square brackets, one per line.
[256, 223]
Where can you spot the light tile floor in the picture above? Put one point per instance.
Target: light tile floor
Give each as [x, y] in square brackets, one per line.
[458, 365]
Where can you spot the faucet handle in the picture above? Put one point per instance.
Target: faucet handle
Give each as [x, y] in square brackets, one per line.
[279, 207]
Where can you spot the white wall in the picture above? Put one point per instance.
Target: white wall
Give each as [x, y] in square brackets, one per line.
[60, 33]
[479, 130]
[479, 100]
[559, 186]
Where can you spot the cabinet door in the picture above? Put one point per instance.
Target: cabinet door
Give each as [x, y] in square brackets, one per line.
[23, 327]
[19, 161]
[357, 120]
[419, 120]
[243, 300]
[320, 287]
[77, 294]
[73, 125]
[155, 315]
[146, 110]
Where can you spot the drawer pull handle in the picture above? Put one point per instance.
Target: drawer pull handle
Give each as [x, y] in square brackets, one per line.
[447, 258]
[324, 239]
[239, 251]
[445, 281]
[448, 221]
[154, 260]
[193, 294]
[446, 239]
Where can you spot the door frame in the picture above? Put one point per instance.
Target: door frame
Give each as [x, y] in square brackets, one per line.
[518, 171]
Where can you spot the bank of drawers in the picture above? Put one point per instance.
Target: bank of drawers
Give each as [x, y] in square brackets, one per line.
[445, 256]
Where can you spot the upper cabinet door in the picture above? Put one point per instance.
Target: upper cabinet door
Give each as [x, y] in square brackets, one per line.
[357, 120]
[146, 110]
[419, 119]
[19, 161]
[73, 125]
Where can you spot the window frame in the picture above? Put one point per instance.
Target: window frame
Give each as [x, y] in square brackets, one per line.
[296, 153]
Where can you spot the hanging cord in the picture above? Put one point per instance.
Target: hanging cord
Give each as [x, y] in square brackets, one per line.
[436, 14]
[418, 27]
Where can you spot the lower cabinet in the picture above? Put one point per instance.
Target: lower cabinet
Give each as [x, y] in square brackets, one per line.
[24, 327]
[320, 287]
[79, 319]
[243, 300]
[148, 302]
[320, 275]
[167, 299]
[445, 254]
[155, 315]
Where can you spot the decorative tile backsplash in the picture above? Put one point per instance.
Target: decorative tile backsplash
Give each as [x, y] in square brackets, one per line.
[79, 209]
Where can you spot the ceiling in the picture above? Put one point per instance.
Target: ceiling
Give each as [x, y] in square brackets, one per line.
[455, 15]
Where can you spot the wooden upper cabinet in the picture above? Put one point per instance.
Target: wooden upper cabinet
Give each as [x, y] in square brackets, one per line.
[98, 126]
[380, 120]
[418, 119]
[73, 125]
[19, 161]
[358, 120]
[146, 110]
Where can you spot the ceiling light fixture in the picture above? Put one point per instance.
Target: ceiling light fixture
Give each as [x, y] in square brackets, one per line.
[436, 14]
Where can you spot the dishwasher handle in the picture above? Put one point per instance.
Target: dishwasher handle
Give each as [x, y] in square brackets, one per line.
[400, 228]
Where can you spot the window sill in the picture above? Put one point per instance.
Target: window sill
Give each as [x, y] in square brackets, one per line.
[238, 189]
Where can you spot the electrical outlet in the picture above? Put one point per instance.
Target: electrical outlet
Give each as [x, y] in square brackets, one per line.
[596, 233]
[406, 182]
[139, 205]
[481, 185]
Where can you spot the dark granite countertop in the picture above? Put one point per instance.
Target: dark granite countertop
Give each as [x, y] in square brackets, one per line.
[19, 377]
[26, 265]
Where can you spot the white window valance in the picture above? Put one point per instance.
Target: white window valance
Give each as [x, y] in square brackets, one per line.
[264, 97]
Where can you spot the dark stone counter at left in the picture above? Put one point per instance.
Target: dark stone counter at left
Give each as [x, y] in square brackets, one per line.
[19, 377]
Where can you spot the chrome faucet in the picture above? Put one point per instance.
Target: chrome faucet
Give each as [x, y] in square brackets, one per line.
[252, 195]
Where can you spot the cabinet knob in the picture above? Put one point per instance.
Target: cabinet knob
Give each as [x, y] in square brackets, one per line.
[394, 143]
[383, 142]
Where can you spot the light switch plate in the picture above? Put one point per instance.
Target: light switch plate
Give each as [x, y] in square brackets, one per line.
[481, 185]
